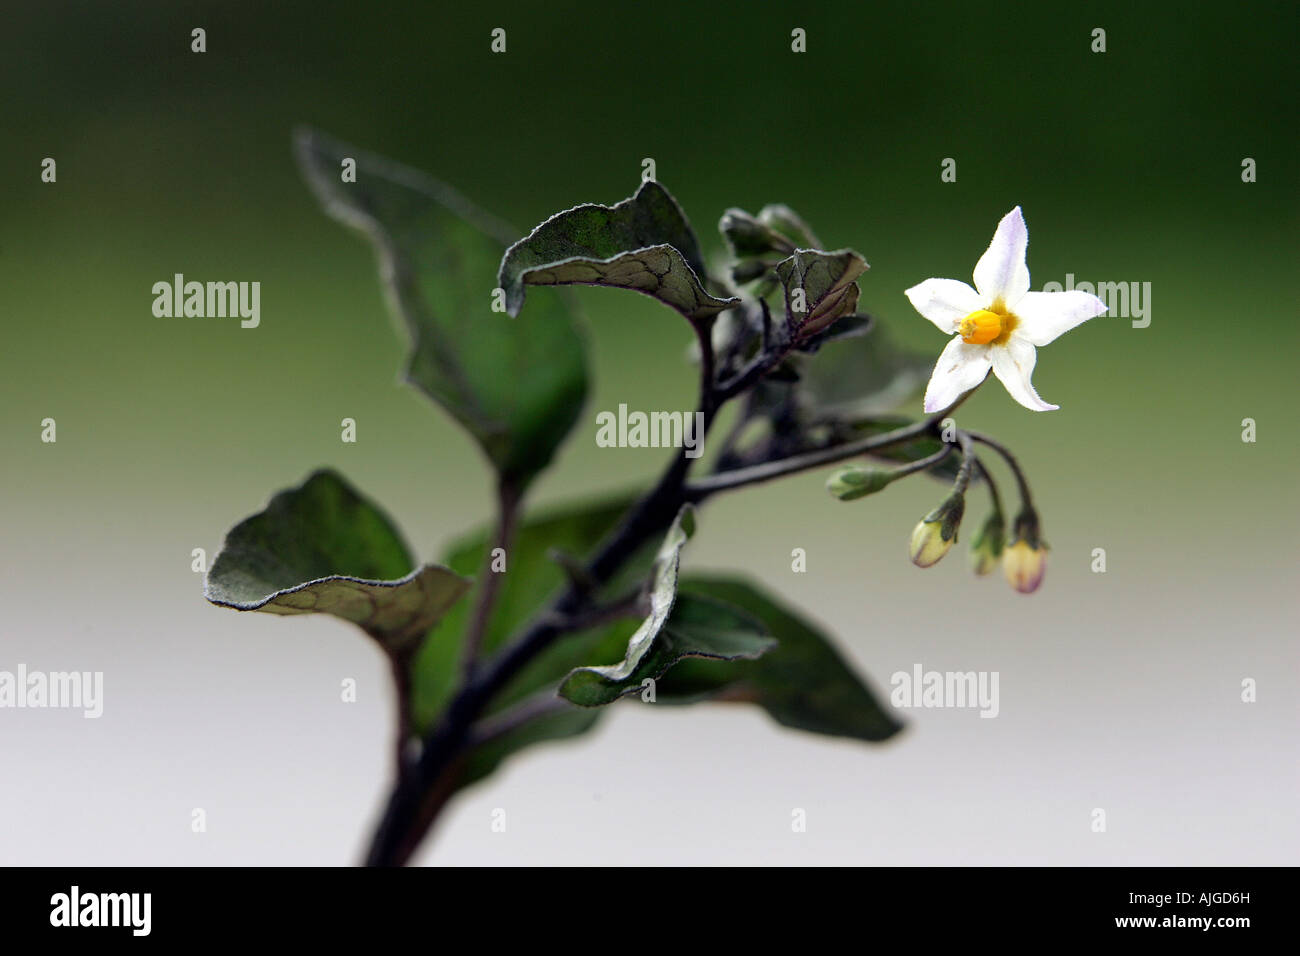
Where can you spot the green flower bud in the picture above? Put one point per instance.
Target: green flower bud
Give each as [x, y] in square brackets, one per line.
[749, 237]
[934, 536]
[987, 546]
[853, 482]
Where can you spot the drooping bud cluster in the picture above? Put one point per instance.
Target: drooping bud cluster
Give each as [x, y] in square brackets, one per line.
[1023, 555]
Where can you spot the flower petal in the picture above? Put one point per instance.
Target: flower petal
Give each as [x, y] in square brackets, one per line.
[1046, 315]
[960, 368]
[1013, 364]
[1001, 272]
[945, 302]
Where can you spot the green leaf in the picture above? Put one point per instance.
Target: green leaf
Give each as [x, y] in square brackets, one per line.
[662, 595]
[695, 628]
[826, 283]
[668, 633]
[804, 683]
[860, 377]
[322, 548]
[516, 387]
[642, 243]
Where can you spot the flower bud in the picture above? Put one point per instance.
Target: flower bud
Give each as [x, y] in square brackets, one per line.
[987, 546]
[850, 483]
[749, 237]
[1025, 558]
[937, 531]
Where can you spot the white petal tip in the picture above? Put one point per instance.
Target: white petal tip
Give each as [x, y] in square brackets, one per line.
[917, 294]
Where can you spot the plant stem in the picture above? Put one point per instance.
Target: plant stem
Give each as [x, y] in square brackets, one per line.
[967, 463]
[400, 665]
[490, 580]
[994, 496]
[526, 711]
[709, 398]
[1010, 459]
[921, 464]
[698, 491]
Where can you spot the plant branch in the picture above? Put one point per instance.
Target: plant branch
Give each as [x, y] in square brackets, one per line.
[490, 580]
[400, 664]
[921, 464]
[531, 708]
[733, 435]
[967, 463]
[764, 362]
[698, 491]
[710, 399]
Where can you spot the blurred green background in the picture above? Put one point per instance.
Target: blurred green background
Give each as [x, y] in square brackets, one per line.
[1127, 165]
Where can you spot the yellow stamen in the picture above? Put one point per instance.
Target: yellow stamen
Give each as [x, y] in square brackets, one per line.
[980, 328]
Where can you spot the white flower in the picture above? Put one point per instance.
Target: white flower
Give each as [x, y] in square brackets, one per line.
[999, 323]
